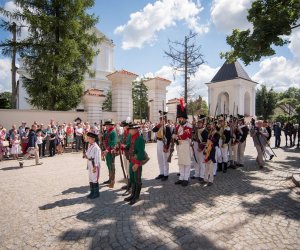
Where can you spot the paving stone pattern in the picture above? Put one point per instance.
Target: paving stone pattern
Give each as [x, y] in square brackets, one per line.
[45, 207]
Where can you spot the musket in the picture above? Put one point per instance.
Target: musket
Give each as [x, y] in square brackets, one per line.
[172, 145]
[216, 111]
[192, 144]
[121, 160]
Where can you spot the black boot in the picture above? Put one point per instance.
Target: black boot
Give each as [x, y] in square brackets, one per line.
[225, 167]
[137, 194]
[91, 191]
[128, 187]
[219, 167]
[133, 189]
[96, 190]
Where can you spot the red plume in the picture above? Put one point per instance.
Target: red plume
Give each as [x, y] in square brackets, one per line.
[181, 101]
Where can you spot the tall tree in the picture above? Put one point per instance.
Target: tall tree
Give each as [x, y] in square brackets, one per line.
[272, 21]
[107, 104]
[140, 97]
[10, 47]
[61, 39]
[265, 102]
[186, 57]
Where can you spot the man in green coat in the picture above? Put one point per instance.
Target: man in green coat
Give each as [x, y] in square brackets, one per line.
[110, 142]
[136, 156]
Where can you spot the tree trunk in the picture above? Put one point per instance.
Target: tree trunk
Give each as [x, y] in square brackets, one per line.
[14, 86]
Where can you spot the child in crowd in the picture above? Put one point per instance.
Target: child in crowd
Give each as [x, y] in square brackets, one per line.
[53, 142]
[15, 143]
[39, 141]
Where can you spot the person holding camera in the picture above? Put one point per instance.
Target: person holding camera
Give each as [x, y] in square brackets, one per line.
[259, 135]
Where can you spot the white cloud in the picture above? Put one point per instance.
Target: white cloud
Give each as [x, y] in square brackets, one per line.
[5, 74]
[294, 45]
[204, 74]
[230, 14]
[279, 73]
[143, 25]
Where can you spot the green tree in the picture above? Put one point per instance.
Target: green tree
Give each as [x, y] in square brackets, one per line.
[61, 39]
[107, 104]
[288, 102]
[272, 21]
[197, 106]
[265, 102]
[140, 97]
[11, 46]
[5, 100]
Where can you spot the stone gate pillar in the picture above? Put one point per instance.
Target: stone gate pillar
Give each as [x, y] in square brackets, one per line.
[156, 95]
[93, 100]
[122, 93]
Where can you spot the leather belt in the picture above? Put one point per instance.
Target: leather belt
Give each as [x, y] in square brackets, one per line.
[159, 139]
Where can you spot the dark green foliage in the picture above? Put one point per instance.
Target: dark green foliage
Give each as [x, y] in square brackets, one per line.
[61, 40]
[140, 100]
[265, 102]
[5, 98]
[272, 20]
[197, 107]
[107, 104]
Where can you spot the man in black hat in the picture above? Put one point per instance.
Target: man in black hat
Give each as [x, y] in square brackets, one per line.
[183, 135]
[200, 135]
[110, 142]
[163, 137]
[92, 155]
[244, 131]
[124, 151]
[136, 155]
[224, 132]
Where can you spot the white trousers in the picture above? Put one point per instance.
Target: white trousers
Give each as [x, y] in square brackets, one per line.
[162, 158]
[224, 150]
[241, 152]
[184, 171]
[199, 165]
[209, 172]
[93, 177]
[234, 149]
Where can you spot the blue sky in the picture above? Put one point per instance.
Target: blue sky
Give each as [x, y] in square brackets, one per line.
[140, 30]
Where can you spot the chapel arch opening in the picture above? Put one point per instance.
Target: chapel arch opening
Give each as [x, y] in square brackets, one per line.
[223, 103]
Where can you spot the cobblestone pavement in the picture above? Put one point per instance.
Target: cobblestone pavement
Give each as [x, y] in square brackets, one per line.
[45, 207]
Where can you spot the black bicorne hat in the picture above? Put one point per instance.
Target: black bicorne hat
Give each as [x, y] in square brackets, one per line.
[133, 126]
[109, 122]
[92, 135]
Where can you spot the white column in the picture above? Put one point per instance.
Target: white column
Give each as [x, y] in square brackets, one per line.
[93, 106]
[122, 93]
[157, 93]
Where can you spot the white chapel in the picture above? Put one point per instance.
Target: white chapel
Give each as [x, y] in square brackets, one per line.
[231, 91]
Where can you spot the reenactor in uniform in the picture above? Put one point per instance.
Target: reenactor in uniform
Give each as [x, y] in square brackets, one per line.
[92, 155]
[244, 130]
[224, 132]
[210, 151]
[183, 135]
[235, 138]
[259, 135]
[125, 143]
[110, 142]
[199, 141]
[136, 156]
[163, 137]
